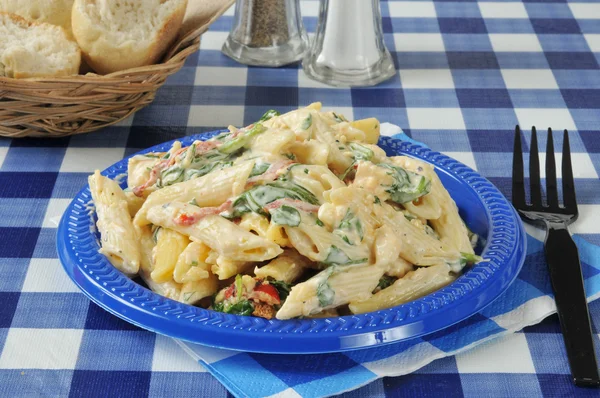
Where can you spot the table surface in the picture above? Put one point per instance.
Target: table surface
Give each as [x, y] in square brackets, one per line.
[468, 73]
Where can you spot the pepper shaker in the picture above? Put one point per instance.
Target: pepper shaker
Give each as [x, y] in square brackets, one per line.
[348, 49]
[267, 33]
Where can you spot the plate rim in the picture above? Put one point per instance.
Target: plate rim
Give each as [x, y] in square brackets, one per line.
[121, 296]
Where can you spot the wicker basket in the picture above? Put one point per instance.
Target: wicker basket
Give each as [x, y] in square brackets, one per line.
[58, 107]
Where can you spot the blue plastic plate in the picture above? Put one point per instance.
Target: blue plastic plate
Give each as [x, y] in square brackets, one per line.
[481, 205]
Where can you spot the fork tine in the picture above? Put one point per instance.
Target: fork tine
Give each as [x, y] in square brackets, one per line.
[567, 175]
[534, 170]
[551, 190]
[518, 182]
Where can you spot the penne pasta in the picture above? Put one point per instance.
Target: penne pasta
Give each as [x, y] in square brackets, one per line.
[191, 264]
[257, 224]
[211, 190]
[310, 152]
[413, 285]
[330, 288]
[221, 235]
[169, 247]
[272, 142]
[444, 217]
[287, 267]
[225, 267]
[139, 168]
[118, 237]
[318, 244]
[317, 179]
[194, 291]
[278, 235]
[370, 127]
[134, 203]
[169, 289]
[296, 215]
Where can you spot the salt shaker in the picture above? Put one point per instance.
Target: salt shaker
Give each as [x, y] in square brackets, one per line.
[267, 33]
[348, 49]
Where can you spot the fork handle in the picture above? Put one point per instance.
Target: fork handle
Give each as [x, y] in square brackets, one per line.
[562, 257]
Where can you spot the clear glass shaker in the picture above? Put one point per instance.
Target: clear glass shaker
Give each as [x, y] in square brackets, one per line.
[348, 49]
[267, 33]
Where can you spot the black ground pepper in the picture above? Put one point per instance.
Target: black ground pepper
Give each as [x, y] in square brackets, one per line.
[264, 21]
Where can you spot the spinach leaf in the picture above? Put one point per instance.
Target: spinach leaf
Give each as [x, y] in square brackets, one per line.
[259, 169]
[464, 260]
[336, 256]
[351, 223]
[361, 152]
[285, 215]
[242, 140]
[213, 155]
[199, 172]
[171, 175]
[407, 186]
[348, 217]
[306, 123]
[201, 165]
[221, 136]
[320, 223]
[377, 200]
[239, 207]
[256, 198]
[325, 294]
[296, 191]
[386, 281]
[239, 286]
[268, 115]
[243, 307]
[468, 258]
[282, 287]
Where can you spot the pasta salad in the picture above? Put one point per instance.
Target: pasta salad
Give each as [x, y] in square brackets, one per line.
[296, 215]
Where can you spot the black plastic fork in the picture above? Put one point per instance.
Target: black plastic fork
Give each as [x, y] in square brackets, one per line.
[562, 255]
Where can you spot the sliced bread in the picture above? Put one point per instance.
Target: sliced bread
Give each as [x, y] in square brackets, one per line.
[55, 12]
[120, 34]
[30, 49]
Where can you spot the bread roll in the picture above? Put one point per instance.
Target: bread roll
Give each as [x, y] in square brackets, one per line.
[30, 49]
[55, 12]
[120, 34]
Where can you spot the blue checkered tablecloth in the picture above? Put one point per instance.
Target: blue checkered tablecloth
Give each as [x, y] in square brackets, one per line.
[468, 72]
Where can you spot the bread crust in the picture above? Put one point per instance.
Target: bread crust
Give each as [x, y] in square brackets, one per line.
[71, 68]
[106, 57]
